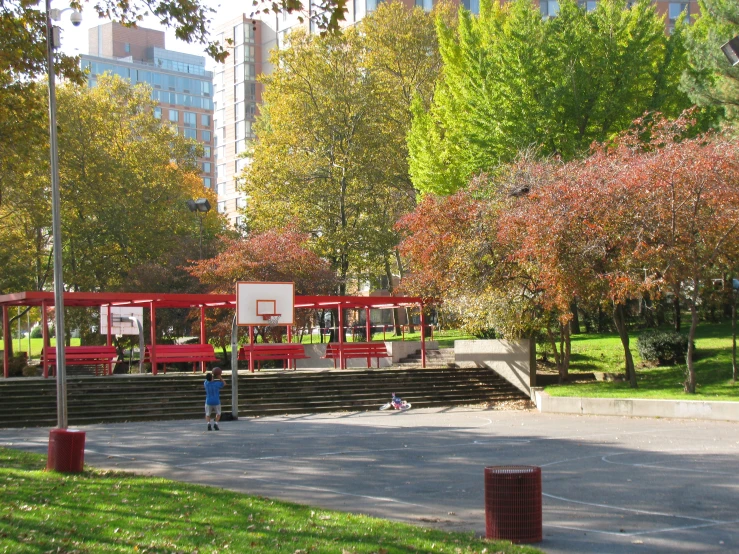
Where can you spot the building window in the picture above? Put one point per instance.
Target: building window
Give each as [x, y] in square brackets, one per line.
[221, 189]
[205, 136]
[372, 5]
[206, 151]
[472, 5]
[241, 164]
[158, 113]
[127, 47]
[675, 9]
[206, 167]
[549, 8]
[191, 134]
[240, 203]
[206, 182]
[189, 119]
[221, 171]
[222, 207]
[204, 120]
[174, 116]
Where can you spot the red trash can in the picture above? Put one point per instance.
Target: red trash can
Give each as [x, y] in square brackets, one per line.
[66, 450]
[513, 503]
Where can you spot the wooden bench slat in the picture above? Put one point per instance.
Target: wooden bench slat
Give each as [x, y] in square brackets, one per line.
[181, 353]
[355, 350]
[287, 352]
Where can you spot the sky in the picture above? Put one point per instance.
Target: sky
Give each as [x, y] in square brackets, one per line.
[74, 39]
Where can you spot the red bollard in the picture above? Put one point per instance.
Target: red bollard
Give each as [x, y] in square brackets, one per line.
[66, 451]
[513, 503]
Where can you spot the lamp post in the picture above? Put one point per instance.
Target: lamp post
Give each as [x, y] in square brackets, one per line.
[52, 42]
[202, 207]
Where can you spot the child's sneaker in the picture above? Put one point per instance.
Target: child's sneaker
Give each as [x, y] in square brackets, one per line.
[215, 426]
[210, 428]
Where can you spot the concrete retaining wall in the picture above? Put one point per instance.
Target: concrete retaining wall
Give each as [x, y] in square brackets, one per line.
[684, 409]
[512, 360]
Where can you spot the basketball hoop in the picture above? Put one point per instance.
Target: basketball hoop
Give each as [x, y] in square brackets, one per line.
[271, 319]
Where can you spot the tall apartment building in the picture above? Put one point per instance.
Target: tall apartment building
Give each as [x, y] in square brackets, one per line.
[179, 81]
[237, 94]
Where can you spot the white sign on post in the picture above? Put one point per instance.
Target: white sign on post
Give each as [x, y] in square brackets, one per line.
[120, 322]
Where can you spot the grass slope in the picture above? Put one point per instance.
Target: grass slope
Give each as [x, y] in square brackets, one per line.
[605, 353]
[104, 511]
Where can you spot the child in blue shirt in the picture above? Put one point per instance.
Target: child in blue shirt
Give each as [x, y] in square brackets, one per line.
[213, 396]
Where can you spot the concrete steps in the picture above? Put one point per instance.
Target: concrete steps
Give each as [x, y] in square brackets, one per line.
[32, 401]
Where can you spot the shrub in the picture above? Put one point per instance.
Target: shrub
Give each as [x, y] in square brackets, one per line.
[663, 347]
[31, 371]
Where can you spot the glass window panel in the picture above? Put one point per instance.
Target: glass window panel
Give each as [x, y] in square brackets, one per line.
[207, 182]
[191, 134]
[205, 136]
[158, 113]
[239, 34]
[205, 120]
[174, 115]
[239, 92]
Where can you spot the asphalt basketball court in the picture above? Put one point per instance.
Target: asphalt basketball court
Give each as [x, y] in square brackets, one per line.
[610, 484]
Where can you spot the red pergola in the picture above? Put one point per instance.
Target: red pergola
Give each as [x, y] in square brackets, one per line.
[154, 301]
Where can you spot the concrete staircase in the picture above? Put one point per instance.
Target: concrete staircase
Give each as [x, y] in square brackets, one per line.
[31, 402]
[441, 357]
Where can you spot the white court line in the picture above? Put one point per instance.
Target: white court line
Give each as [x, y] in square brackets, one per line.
[338, 493]
[642, 533]
[631, 510]
[654, 466]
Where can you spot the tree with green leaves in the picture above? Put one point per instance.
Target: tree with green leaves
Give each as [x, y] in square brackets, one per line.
[330, 155]
[124, 180]
[711, 80]
[512, 80]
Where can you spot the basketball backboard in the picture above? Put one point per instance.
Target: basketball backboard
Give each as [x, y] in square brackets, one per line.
[259, 303]
[121, 323]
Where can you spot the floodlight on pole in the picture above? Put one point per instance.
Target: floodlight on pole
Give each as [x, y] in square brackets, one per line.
[731, 50]
[201, 206]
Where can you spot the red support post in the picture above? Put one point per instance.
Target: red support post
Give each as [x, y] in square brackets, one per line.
[251, 350]
[341, 338]
[369, 334]
[153, 339]
[45, 336]
[202, 334]
[423, 339]
[110, 338]
[6, 342]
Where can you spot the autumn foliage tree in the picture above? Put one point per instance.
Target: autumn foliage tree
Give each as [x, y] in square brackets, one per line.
[653, 211]
[275, 255]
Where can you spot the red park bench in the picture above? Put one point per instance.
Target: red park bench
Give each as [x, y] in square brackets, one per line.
[178, 353]
[83, 355]
[289, 353]
[351, 350]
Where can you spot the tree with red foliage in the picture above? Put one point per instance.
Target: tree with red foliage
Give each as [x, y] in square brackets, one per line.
[685, 201]
[279, 256]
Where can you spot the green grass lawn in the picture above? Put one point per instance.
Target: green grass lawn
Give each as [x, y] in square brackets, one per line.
[36, 345]
[605, 353]
[104, 511]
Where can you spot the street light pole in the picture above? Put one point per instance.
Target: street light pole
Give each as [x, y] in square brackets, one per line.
[61, 370]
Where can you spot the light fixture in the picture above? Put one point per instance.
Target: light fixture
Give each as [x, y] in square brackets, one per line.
[731, 50]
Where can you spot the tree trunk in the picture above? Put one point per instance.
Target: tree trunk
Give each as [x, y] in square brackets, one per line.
[690, 382]
[565, 347]
[619, 319]
[391, 290]
[733, 337]
[575, 321]
[411, 328]
[676, 310]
